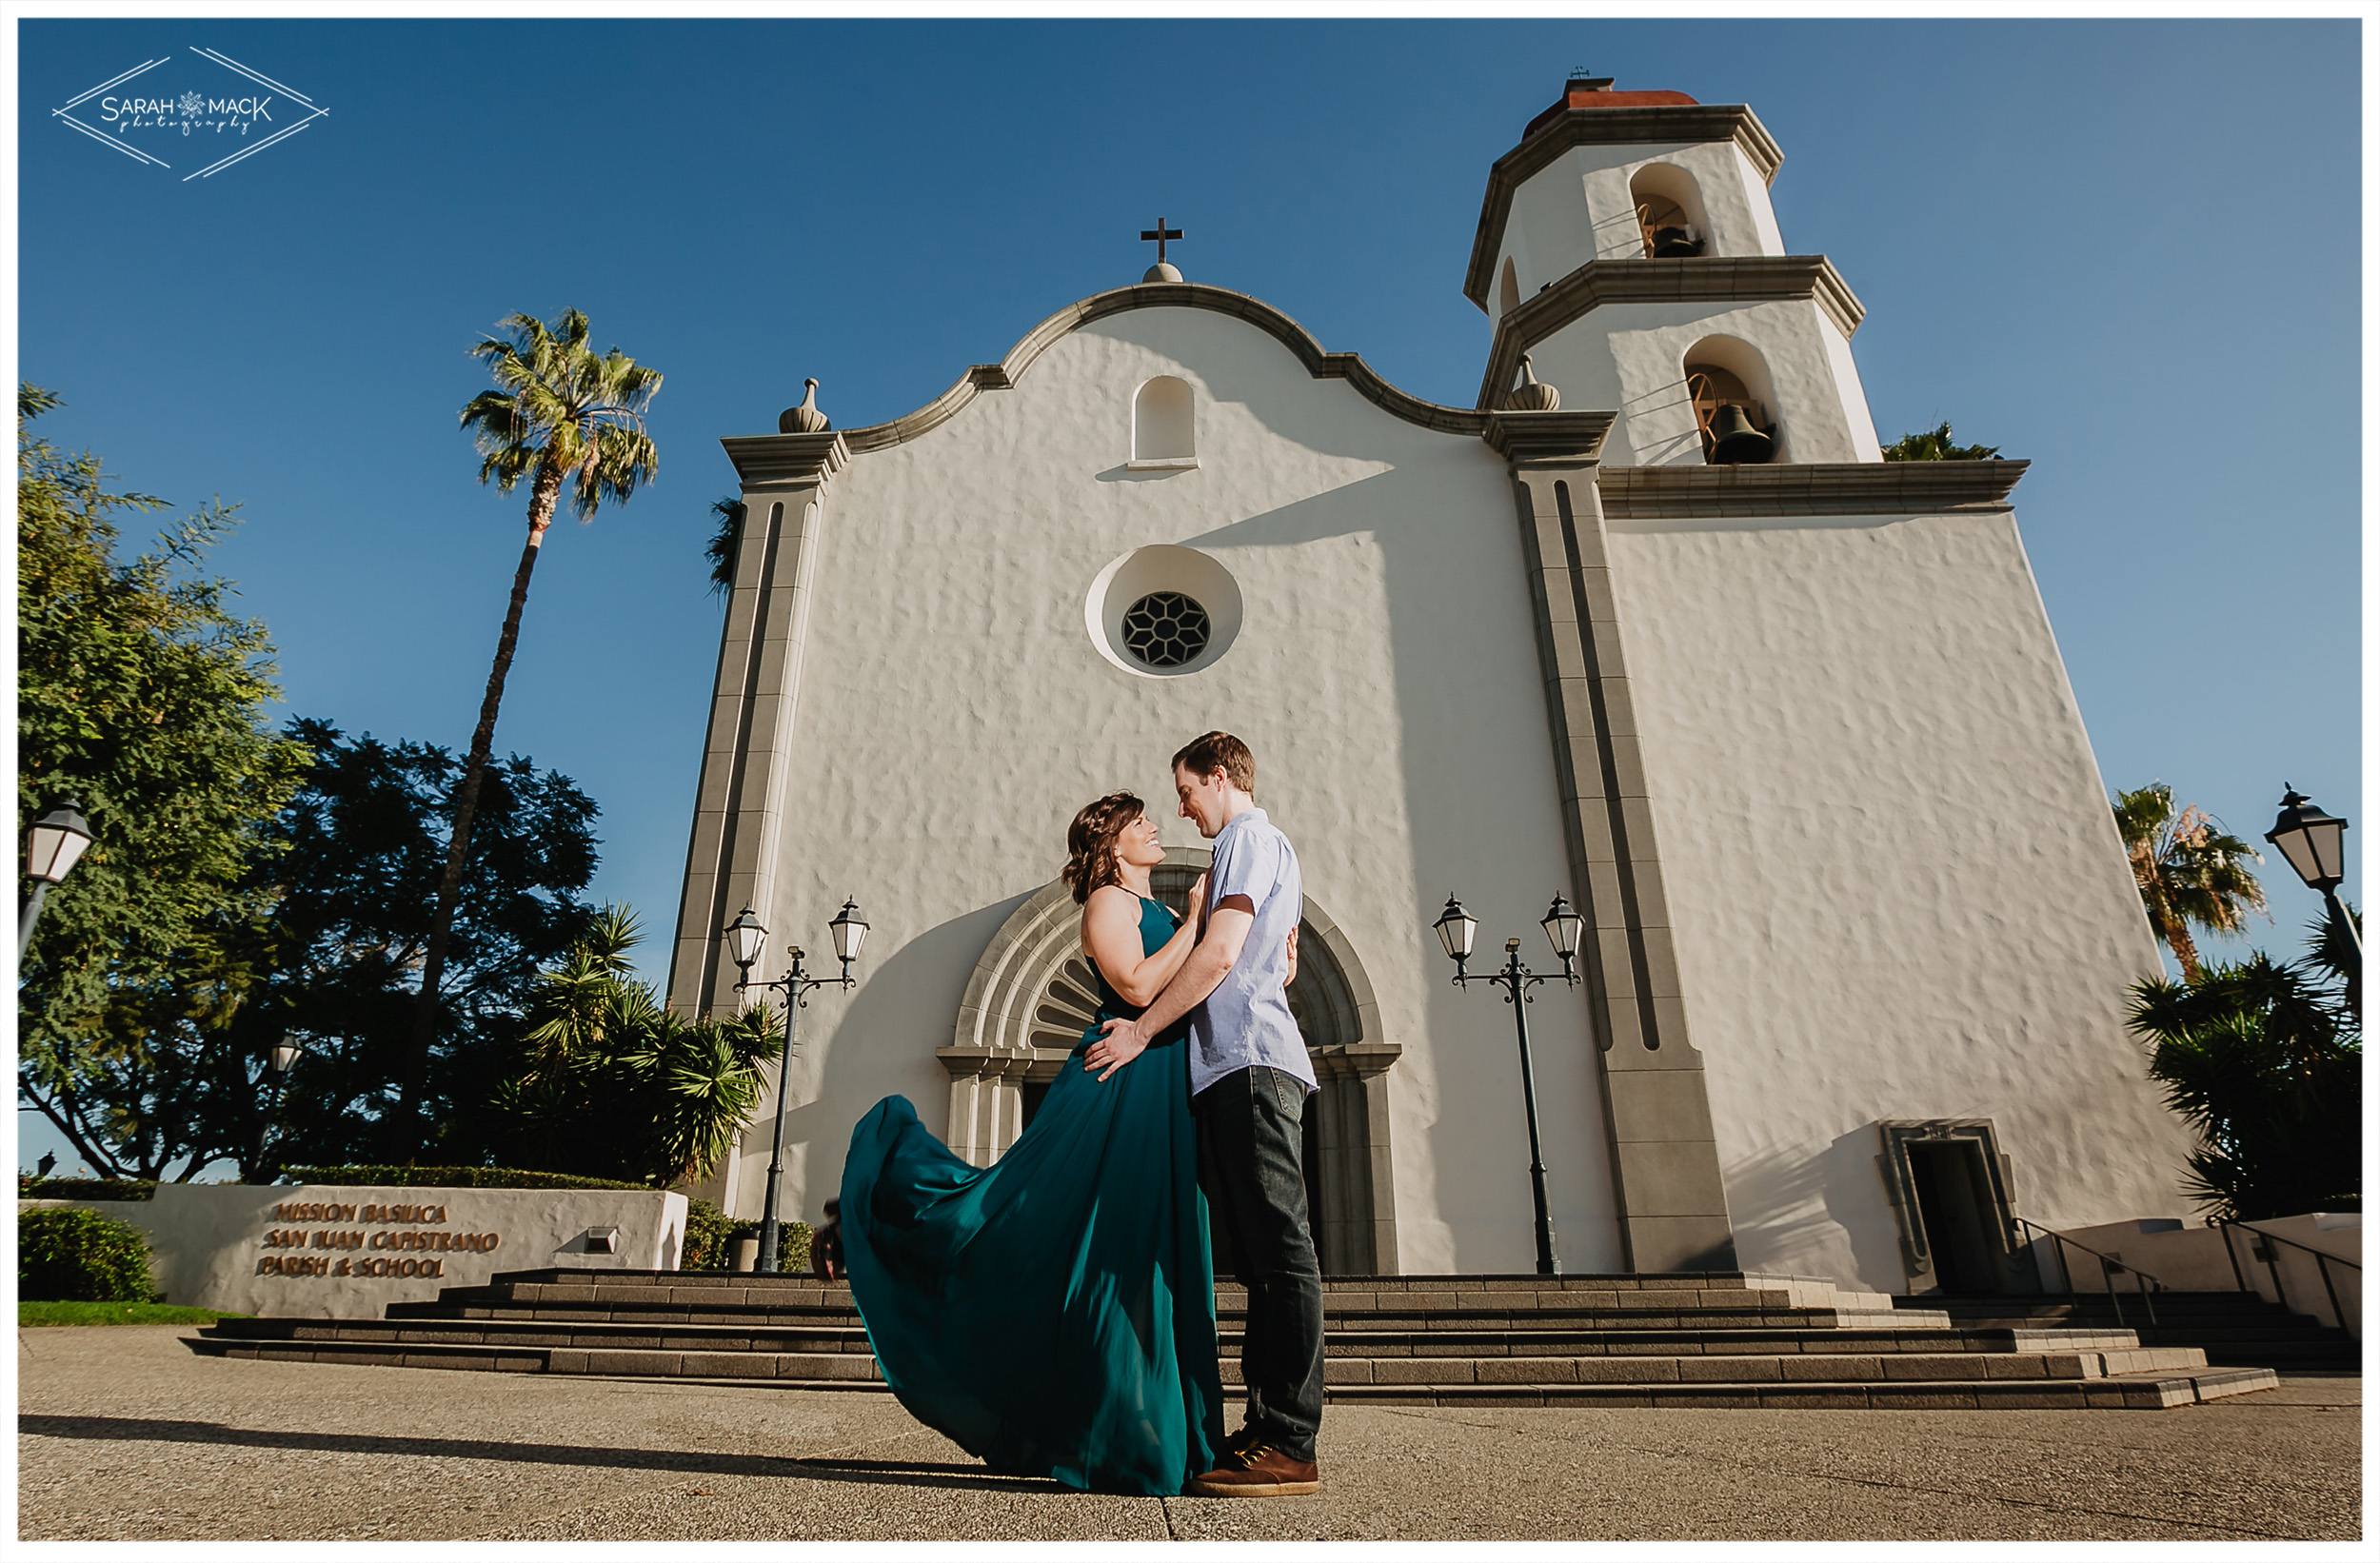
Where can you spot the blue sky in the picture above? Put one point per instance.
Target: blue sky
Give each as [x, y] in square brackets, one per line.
[2100, 245]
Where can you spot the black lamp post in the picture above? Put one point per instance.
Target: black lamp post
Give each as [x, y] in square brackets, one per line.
[2313, 843]
[52, 849]
[748, 936]
[284, 1057]
[1455, 930]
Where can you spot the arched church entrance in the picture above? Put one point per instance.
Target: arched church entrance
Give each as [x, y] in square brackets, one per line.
[1033, 993]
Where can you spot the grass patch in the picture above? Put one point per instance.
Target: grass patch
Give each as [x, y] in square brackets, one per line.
[30, 1314]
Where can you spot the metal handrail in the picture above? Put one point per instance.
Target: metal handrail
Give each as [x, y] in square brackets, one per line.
[2110, 1267]
[2322, 1263]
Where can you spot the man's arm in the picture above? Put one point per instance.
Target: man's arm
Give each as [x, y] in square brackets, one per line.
[1227, 935]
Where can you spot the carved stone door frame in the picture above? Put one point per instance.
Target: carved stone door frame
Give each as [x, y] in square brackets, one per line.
[1032, 994]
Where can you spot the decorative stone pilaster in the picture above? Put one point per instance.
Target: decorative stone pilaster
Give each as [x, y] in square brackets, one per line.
[1665, 1169]
[731, 859]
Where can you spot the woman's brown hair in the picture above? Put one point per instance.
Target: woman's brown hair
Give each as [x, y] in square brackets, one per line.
[1091, 843]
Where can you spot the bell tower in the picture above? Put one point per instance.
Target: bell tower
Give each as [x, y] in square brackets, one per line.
[1628, 245]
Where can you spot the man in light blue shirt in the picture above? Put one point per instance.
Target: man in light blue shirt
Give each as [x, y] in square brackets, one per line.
[1245, 1022]
[1249, 1079]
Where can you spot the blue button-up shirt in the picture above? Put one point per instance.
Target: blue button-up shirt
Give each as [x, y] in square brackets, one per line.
[1246, 1020]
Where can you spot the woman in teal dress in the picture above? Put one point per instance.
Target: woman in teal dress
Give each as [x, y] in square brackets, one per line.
[1054, 1312]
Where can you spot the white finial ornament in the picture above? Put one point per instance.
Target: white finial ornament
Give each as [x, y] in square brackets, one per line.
[804, 419]
[1532, 394]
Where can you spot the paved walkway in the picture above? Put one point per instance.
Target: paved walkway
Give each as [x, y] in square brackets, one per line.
[124, 1436]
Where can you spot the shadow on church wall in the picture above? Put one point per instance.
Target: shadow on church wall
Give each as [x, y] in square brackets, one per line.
[881, 1044]
[1796, 1212]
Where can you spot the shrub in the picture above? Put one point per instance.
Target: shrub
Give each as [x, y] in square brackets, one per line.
[706, 1230]
[65, 1254]
[84, 1188]
[452, 1178]
[793, 1244]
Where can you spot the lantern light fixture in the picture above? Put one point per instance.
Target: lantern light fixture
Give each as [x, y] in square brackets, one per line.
[850, 931]
[56, 843]
[1562, 927]
[747, 935]
[1456, 929]
[2311, 839]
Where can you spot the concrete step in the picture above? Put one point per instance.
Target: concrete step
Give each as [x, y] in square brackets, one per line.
[572, 1332]
[2131, 1392]
[832, 1308]
[2232, 1327]
[709, 1290]
[1965, 1367]
[2126, 1380]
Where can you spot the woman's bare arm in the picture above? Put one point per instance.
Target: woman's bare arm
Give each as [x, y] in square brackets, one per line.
[1111, 936]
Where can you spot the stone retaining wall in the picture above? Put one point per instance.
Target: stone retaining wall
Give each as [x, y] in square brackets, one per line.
[320, 1251]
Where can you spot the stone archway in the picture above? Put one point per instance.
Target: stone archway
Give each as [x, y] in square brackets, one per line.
[1032, 995]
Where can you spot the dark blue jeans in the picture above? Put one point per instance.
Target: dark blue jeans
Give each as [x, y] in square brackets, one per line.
[1251, 1143]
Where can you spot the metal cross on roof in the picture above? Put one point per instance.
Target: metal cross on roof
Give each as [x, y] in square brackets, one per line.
[1160, 233]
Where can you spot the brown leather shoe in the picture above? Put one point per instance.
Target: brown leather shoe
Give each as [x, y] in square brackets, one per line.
[1258, 1471]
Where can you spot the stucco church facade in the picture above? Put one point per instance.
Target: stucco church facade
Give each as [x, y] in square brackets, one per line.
[1652, 626]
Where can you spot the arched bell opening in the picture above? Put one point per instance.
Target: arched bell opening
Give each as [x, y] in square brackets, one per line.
[1508, 288]
[1669, 212]
[1734, 411]
[1033, 993]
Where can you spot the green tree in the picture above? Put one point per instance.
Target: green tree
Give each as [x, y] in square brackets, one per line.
[2191, 873]
[606, 1083]
[351, 865]
[1933, 444]
[560, 414]
[2265, 1060]
[140, 694]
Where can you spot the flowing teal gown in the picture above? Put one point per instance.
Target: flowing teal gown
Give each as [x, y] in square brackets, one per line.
[1053, 1312]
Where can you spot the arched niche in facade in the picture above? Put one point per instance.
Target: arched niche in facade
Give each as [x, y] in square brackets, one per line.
[1508, 288]
[1165, 424]
[1669, 211]
[1032, 996]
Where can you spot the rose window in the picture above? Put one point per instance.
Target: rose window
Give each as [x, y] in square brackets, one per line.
[1166, 629]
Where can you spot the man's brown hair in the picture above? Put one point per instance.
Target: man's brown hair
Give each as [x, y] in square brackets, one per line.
[1212, 752]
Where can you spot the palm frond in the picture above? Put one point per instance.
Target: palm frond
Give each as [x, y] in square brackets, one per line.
[725, 536]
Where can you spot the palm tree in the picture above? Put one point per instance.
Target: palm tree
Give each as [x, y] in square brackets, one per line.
[2190, 871]
[559, 414]
[608, 1083]
[2266, 1061]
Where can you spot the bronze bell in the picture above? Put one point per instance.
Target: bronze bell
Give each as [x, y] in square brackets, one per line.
[1735, 441]
[1669, 243]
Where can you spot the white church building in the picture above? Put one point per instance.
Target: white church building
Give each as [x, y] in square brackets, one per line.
[1653, 627]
